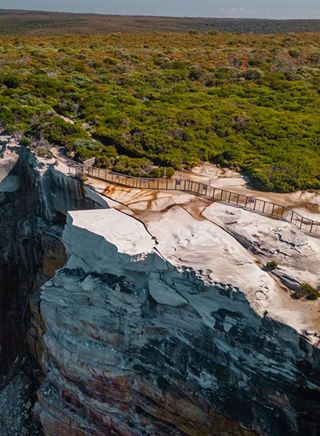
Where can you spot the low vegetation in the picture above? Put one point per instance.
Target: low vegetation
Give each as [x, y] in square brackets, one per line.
[146, 104]
[307, 291]
[271, 265]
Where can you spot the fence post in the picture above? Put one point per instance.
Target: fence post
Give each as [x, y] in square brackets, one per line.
[264, 206]
[311, 227]
[273, 205]
[255, 204]
[292, 214]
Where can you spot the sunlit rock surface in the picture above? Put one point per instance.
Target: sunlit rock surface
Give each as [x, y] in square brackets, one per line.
[169, 325]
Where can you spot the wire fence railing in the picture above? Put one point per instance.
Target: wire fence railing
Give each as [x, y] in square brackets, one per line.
[262, 207]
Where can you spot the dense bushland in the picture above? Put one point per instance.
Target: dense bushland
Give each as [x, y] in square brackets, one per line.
[141, 103]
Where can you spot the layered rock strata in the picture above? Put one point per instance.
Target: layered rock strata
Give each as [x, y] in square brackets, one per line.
[34, 199]
[157, 316]
[140, 344]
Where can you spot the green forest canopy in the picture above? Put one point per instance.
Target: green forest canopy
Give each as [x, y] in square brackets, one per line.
[143, 102]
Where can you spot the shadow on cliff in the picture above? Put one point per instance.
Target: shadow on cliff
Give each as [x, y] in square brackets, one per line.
[176, 369]
[34, 200]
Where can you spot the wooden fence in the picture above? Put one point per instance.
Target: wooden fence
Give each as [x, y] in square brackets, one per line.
[256, 205]
[90, 162]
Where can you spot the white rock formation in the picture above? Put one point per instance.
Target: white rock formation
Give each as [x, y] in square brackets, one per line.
[162, 320]
[9, 158]
[231, 246]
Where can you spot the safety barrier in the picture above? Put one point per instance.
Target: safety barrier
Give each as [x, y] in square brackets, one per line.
[253, 204]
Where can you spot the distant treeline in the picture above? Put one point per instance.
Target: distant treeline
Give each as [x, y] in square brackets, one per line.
[42, 23]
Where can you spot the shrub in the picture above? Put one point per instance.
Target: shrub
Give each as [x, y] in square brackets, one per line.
[9, 129]
[294, 53]
[11, 81]
[82, 177]
[84, 143]
[166, 172]
[25, 141]
[252, 75]
[110, 61]
[43, 152]
[307, 291]
[315, 58]
[271, 265]
[195, 74]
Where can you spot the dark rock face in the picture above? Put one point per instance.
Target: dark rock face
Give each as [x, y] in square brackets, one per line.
[32, 215]
[17, 396]
[31, 223]
[20, 260]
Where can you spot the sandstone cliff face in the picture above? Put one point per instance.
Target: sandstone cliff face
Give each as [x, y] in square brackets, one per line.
[20, 247]
[33, 207]
[138, 344]
[160, 327]
[34, 199]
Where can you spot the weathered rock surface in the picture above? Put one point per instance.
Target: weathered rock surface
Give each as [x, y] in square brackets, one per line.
[32, 215]
[297, 254]
[34, 199]
[17, 396]
[194, 232]
[161, 321]
[142, 338]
